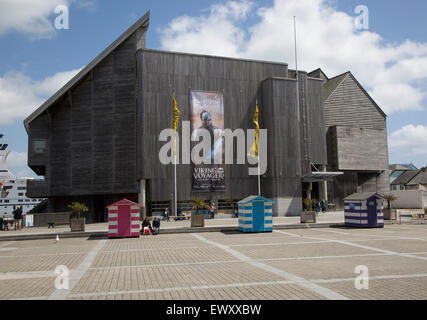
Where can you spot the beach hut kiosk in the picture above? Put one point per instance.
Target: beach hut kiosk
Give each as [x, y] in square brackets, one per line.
[123, 219]
[364, 210]
[255, 214]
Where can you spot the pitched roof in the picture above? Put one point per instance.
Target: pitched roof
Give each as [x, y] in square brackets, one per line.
[124, 201]
[332, 84]
[318, 73]
[420, 178]
[405, 177]
[363, 196]
[142, 22]
[253, 198]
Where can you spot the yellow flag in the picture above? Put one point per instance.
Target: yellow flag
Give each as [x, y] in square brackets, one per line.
[175, 122]
[253, 152]
[175, 113]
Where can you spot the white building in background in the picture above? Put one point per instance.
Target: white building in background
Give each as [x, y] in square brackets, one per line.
[13, 189]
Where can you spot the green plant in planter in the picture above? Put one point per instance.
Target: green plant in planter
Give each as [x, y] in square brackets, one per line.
[199, 204]
[307, 204]
[76, 209]
[390, 198]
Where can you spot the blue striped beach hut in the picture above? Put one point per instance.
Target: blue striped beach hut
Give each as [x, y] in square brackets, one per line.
[364, 210]
[255, 214]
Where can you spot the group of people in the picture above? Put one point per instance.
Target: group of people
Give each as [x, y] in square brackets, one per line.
[319, 205]
[147, 228]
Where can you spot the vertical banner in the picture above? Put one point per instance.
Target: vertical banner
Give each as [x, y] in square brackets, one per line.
[207, 112]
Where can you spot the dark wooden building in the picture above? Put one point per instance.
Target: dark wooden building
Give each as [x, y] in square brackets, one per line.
[97, 139]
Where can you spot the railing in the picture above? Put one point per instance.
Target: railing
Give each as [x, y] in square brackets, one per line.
[37, 188]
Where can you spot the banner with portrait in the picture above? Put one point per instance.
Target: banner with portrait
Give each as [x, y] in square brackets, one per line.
[207, 120]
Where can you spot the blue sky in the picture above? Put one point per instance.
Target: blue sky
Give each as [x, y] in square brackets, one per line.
[389, 59]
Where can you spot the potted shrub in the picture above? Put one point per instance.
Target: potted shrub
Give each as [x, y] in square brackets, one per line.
[197, 218]
[308, 215]
[77, 219]
[389, 213]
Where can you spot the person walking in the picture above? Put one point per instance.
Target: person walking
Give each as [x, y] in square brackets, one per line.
[212, 210]
[17, 215]
[323, 205]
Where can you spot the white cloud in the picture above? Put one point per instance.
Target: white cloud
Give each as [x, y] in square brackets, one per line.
[395, 74]
[35, 18]
[409, 139]
[20, 95]
[30, 17]
[17, 164]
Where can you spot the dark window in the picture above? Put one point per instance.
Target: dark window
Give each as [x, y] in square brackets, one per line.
[39, 146]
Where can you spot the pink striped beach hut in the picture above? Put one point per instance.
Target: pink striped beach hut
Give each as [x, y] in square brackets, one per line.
[123, 219]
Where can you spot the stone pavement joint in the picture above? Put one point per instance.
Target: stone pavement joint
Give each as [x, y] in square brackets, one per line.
[388, 252]
[327, 293]
[77, 274]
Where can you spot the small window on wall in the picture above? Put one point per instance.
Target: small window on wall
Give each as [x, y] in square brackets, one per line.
[39, 146]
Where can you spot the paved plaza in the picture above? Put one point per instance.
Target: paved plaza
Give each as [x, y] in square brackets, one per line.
[308, 263]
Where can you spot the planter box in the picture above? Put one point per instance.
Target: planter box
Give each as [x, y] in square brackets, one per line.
[308, 217]
[197, 220]
[389, 214]
[77, 224]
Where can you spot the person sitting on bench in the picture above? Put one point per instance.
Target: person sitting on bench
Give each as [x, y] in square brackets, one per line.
[146, 226]
[156, 225]
[166, 215]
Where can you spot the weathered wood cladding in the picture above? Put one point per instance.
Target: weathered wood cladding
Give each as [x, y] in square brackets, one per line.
[39, 130]
[312, 132]
[349, 106]
[360, 148]
[283, 176]
[92, 135]
[356, 142]
[165, 72]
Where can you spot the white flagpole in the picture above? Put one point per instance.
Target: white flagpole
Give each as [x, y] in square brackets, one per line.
[175, 197]
[176, 208]
[296, 65]
[259, 178]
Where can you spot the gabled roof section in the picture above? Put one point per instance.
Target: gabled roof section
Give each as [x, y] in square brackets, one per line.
[406, 177]
[254, 198]
[318, 73]
[332, 84]
[142, 22]
[364, 196]
[124, 201]
[420, 178]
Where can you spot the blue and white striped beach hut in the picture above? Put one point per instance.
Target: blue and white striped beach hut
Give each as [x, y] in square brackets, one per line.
[364, 210]
[255, 214]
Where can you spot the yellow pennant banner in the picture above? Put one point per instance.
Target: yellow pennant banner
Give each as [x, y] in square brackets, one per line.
[253, 151]
[175, 122]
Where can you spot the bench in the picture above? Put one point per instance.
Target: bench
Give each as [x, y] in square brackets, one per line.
[52, 224]
[185, 217]
[420, 217]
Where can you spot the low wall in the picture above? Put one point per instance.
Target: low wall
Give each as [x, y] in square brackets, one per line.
[409, 199]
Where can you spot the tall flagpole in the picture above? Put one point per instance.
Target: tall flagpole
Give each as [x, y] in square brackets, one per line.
[174, 166]
[259, 178]
[175, 199]
[296, 66]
